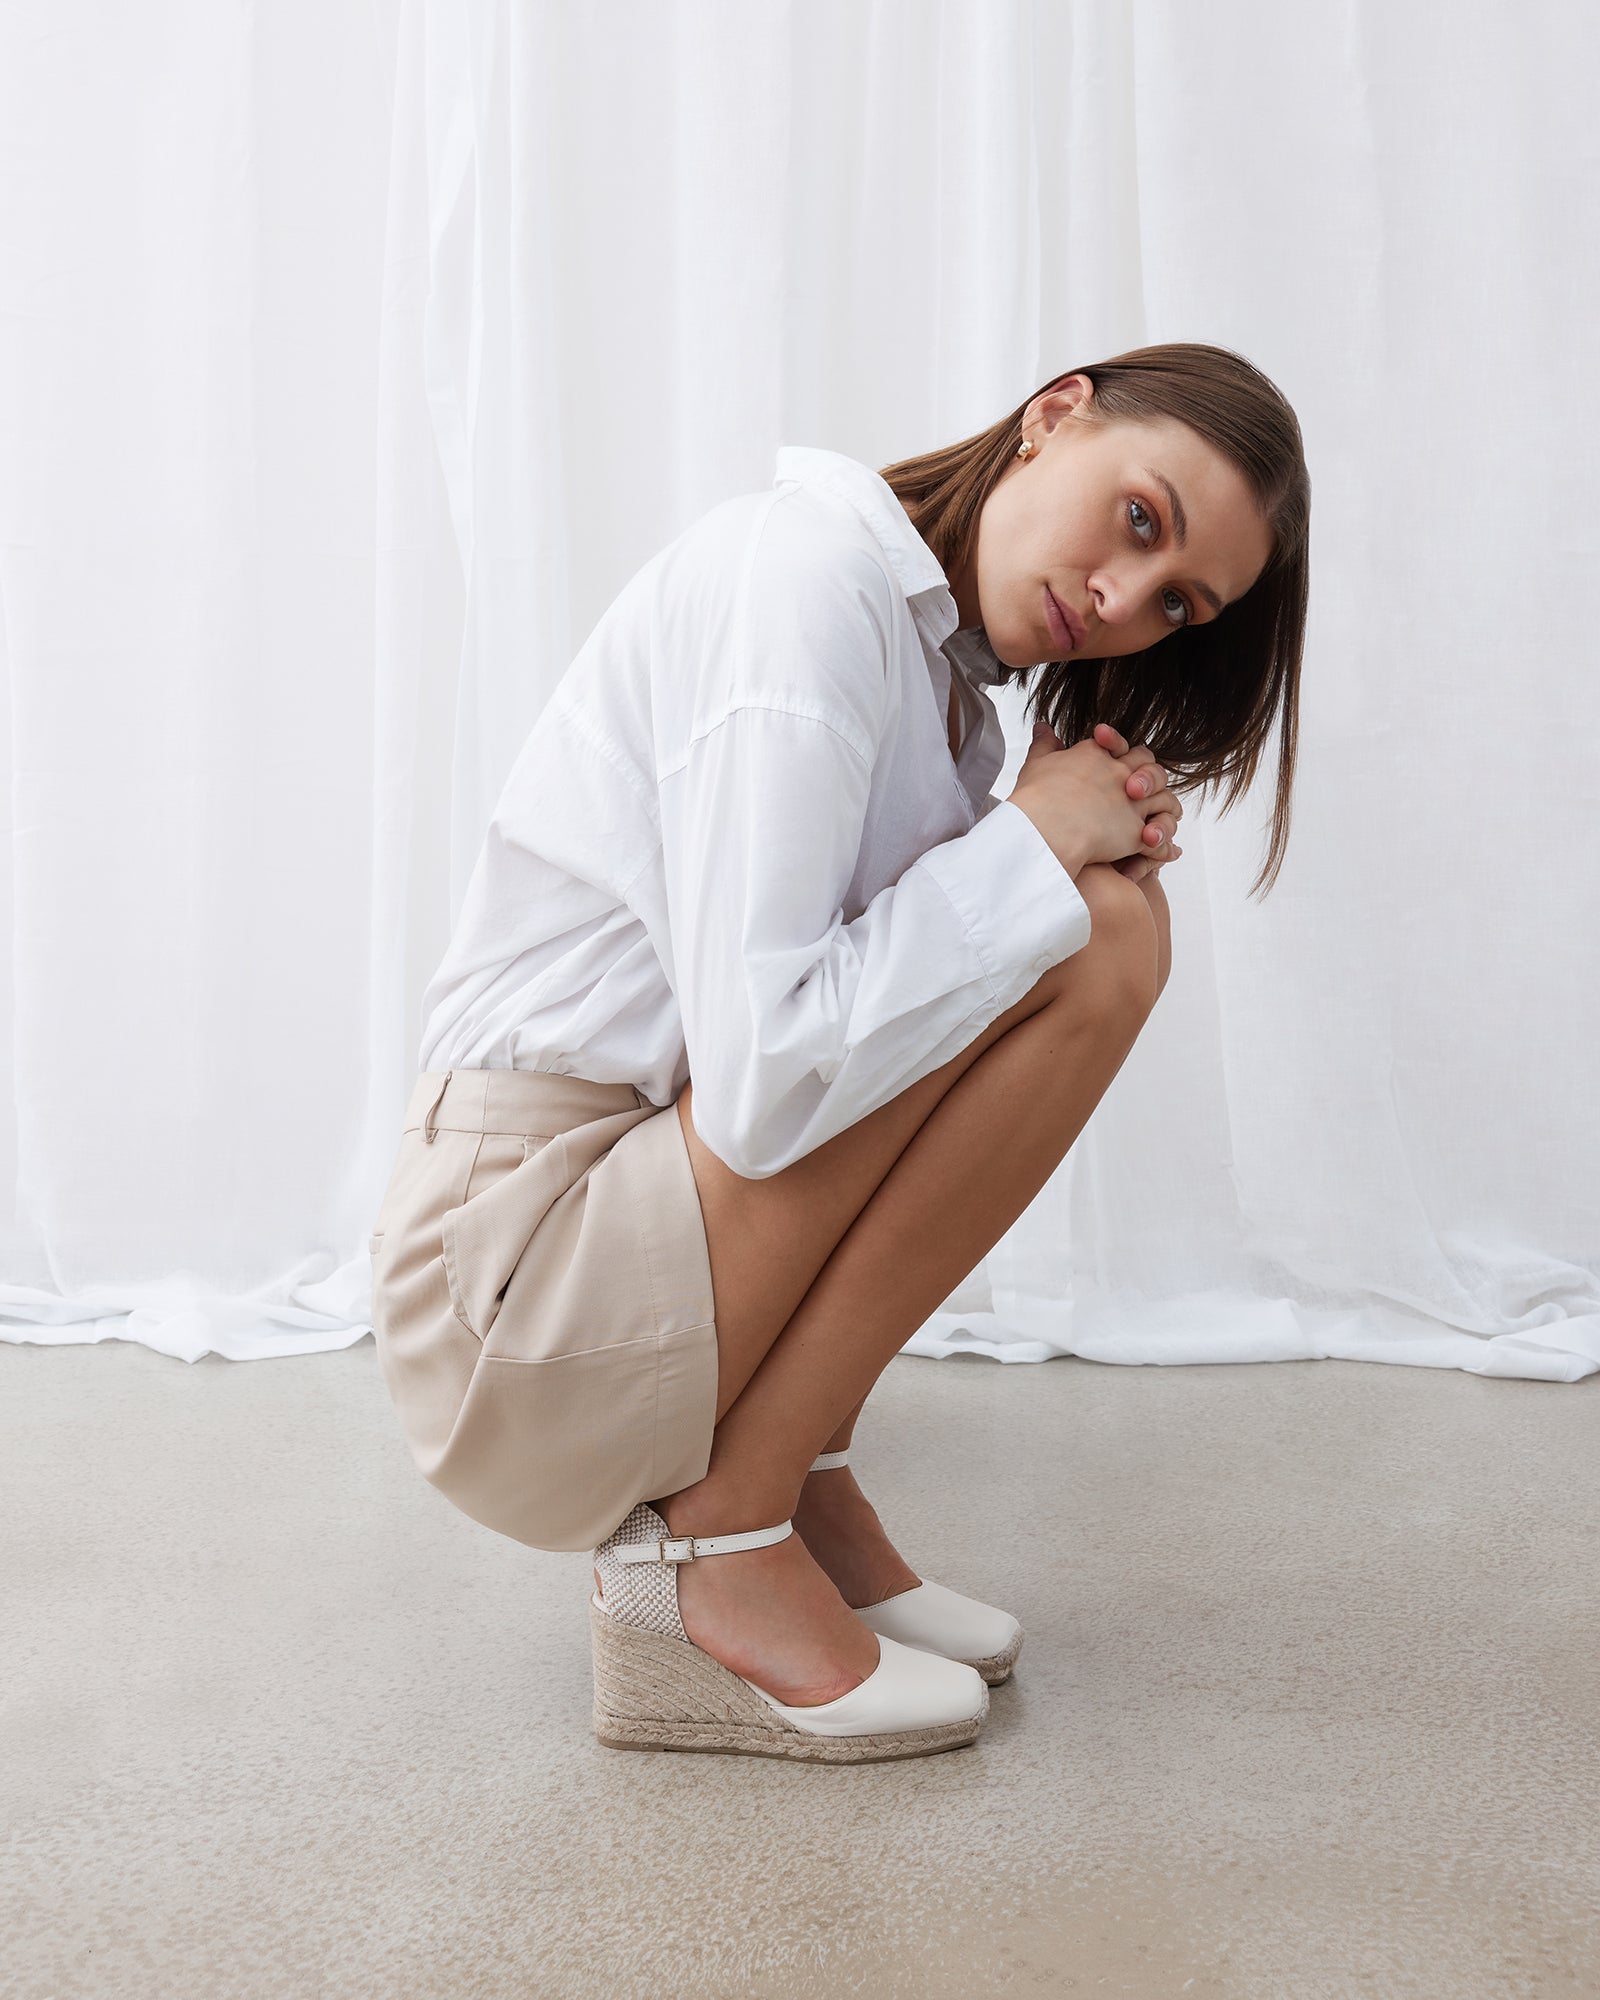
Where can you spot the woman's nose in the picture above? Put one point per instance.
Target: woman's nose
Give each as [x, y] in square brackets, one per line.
[1113, 605]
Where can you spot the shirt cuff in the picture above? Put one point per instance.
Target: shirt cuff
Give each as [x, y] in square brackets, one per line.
[1020, 907]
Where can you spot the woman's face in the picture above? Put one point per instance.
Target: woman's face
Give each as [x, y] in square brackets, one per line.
[1089, 520]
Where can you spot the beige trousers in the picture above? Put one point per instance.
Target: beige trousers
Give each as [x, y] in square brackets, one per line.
[541, 1301]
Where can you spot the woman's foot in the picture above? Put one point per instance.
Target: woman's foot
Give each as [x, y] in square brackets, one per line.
[770, 1614]
[840, 1526]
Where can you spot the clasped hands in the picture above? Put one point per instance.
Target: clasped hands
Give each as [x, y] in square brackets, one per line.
[1160, 827]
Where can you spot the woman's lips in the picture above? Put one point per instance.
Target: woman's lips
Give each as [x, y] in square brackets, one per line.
[1066, 628]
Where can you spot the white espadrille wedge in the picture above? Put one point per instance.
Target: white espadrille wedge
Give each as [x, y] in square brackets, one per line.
[936, 1620]
[655, 1689]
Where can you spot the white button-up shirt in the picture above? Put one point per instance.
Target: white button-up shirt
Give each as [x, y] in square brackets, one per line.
[735, 844]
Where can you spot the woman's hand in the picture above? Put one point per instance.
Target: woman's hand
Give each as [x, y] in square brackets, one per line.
[1093, 803]
[1137, 866]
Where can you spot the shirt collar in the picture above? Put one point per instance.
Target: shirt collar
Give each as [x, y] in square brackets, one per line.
[914, 566]
[969, 647]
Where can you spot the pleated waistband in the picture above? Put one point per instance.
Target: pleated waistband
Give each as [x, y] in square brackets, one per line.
[523, 1101]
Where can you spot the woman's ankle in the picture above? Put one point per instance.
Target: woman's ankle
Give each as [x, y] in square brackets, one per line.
[843, 1531]
[773, 1615]
[722, 1507]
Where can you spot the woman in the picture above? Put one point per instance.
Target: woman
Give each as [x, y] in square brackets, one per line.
[763, 1021]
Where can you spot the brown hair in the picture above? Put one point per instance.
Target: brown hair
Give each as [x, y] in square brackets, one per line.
[1205, 698]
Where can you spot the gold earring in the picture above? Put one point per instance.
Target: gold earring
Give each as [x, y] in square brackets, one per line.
[1026, 448]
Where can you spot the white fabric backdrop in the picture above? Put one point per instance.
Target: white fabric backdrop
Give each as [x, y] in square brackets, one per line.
[353, 357]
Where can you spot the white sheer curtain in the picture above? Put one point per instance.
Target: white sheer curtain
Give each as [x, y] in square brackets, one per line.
[354, 357]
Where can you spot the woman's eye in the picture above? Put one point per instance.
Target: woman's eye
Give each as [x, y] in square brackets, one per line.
[1147, 520]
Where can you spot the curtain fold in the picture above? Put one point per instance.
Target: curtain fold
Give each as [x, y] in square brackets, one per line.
[354, 357]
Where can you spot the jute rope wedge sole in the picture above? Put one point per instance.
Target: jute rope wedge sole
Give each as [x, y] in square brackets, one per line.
[936, 1620]
[654, 1689]
[647, 1697]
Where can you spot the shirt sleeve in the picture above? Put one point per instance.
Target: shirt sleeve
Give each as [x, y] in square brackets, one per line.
[799, 1024]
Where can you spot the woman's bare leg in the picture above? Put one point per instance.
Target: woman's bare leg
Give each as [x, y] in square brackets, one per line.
[835, 1519]
[1156, 897]
[822, 1273]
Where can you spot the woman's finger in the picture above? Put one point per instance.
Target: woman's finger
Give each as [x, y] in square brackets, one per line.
[1161, 804]
[1145, 775]
[1164, 825]
[1153, 797]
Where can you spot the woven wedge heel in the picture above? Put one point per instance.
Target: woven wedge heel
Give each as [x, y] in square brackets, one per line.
[936, 1620]
[655, 1689]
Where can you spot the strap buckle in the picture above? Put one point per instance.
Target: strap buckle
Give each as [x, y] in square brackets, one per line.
[685, 1543]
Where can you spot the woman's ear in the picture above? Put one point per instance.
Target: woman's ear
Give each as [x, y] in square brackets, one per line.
[1059, 401]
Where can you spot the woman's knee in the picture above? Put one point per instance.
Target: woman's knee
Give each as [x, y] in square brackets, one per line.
[1122, 958]
[1150, 888]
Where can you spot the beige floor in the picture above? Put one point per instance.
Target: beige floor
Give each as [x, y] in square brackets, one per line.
[1309, 1706]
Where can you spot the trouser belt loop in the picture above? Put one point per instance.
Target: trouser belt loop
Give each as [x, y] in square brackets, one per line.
[427, 1123]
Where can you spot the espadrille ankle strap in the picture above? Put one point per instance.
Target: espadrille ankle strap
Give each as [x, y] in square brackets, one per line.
[685, 1548]
[830, 1461]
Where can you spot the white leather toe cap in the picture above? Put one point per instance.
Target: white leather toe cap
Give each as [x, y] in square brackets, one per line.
[910, 1688]
[943, 1621]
